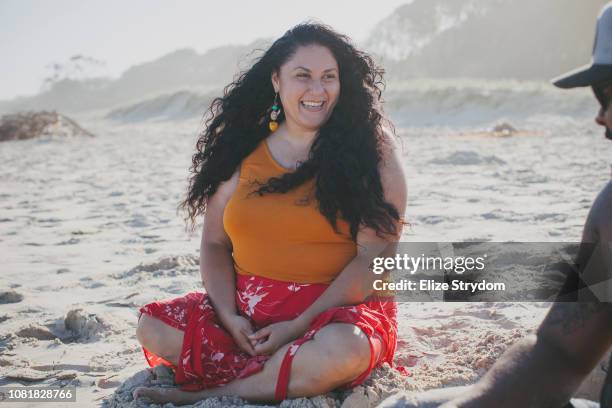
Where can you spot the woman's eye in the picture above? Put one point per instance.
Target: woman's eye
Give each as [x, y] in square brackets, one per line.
[326, 77]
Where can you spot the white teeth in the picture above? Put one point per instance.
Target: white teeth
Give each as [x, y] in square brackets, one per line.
[313, 104]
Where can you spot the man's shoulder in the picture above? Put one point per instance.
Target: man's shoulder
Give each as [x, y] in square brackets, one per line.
[601, 212]
[605, 195]
[595, 253]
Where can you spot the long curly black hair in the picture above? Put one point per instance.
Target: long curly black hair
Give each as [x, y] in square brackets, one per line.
[344, 157]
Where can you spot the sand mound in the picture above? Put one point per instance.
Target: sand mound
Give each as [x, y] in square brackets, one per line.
[383, 382]
[504, 129]
[28, 375]
[84, 326]
[168, 266]
[29, 125]
[467, 158]
[10, 297]
[37, 332]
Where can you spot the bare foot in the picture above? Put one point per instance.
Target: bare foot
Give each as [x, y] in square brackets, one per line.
[164, 395]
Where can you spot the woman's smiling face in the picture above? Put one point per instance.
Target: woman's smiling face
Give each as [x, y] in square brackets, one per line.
[308, 86]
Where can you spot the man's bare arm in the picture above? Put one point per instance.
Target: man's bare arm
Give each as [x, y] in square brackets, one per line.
[545, 369]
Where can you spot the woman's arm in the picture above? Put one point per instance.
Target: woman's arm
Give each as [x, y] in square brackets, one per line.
[355, 282]
[217, 267]
[216, 263]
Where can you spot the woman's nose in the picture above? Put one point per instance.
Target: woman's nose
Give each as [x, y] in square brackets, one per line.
[599, 119]
[316, 87]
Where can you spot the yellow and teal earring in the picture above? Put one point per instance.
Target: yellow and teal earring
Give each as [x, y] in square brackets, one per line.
[273, 125]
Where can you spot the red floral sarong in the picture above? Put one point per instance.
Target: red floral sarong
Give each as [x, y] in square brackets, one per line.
[210, 357]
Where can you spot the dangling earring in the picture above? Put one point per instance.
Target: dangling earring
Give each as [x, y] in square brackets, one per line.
[273, 125]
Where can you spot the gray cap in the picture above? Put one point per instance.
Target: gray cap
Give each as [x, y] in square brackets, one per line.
[600, 68]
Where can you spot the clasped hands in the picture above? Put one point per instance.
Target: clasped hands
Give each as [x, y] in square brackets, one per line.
[266, 340]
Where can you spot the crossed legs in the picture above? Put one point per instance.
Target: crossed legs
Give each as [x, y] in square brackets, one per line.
[338, 353]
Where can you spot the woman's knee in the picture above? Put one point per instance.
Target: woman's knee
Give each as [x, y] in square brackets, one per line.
[159, 338]
[145, 333]
[347, 349]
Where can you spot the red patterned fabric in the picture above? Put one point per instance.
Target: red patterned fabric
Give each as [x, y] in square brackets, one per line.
[209, 355]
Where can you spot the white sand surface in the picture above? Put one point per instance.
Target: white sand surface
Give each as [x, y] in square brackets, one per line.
[79, 215]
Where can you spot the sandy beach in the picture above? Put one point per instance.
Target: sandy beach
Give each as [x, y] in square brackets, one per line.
[89, 231]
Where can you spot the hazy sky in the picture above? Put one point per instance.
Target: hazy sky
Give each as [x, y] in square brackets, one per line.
[36, 33]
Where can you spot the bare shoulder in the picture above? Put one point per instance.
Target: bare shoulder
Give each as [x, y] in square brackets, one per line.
[226, 188]
[392, 172]
[214, 231]
[391, 154]
[601, 211]
[598, 231]
[390, 145]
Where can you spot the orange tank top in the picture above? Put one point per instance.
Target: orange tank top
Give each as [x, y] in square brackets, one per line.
[283, 236]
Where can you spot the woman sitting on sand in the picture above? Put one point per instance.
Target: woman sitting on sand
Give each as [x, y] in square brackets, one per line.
[301, 186]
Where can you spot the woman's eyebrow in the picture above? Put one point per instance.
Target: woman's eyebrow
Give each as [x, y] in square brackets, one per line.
[306, 69]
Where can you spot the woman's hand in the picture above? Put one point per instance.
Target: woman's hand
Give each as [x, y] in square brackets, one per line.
[240, 328]
[270, 338]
